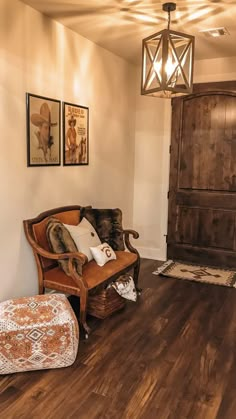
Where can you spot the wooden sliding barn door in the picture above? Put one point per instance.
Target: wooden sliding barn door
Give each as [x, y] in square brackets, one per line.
[202, 191]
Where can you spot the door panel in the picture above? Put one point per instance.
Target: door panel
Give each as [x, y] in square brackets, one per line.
[206, 157]
[206, 227]
[202, 193]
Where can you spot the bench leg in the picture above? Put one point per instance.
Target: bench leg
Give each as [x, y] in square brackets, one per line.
[41, 289]
[136, 276]
[83, 312]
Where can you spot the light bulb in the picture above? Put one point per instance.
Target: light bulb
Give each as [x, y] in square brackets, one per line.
[169, 67]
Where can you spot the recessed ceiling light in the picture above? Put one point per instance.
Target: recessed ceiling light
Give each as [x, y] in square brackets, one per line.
[215, 32]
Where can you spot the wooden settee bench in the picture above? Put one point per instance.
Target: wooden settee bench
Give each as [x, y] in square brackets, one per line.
[50, 274]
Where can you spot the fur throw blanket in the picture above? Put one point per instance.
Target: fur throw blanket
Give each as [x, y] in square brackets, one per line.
[60, 241]
[108, 225]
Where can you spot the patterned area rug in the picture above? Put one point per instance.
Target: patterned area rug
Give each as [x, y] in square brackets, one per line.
[197, 273]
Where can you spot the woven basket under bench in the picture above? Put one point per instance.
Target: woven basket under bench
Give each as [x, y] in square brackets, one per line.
[105, 303]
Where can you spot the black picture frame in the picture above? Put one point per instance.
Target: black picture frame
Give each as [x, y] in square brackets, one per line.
[75, 135]
[43, 116]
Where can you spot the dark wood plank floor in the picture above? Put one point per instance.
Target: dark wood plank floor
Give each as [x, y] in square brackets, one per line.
[170, 355]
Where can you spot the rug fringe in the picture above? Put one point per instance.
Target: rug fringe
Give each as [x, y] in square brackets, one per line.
[162, 267]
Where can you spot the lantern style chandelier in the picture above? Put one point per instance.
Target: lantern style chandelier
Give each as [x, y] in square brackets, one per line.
[167, 62]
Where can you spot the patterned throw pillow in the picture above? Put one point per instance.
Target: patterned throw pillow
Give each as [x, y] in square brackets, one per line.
[108, 224]
[60, 241]
[125, 287]
[103, 253]
[84, 236]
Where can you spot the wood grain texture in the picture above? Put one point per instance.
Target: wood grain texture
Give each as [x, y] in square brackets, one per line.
[193, 227]
[229, 85]
[171, 355]
[207, 138]
[202, 186]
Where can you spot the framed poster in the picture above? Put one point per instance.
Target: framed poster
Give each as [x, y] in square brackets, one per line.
[75, 135]
[43, 131]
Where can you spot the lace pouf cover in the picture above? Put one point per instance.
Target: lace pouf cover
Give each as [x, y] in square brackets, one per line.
[37, 333]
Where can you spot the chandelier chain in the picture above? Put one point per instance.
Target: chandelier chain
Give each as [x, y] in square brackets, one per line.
[168, 27]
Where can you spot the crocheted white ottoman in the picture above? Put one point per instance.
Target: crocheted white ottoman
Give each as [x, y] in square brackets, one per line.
[37, 333]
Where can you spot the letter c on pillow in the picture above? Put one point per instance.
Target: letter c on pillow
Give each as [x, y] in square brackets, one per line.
[106, 249]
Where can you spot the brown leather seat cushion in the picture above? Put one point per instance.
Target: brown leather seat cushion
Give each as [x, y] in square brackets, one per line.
[93, 274]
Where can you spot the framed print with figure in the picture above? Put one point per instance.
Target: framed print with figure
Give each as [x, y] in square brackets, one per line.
[43, 131]
[75, 135]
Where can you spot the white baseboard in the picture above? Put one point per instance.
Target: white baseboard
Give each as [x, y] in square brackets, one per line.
[152, 253]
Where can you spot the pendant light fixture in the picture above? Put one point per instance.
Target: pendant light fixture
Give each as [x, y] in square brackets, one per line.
[167, 62]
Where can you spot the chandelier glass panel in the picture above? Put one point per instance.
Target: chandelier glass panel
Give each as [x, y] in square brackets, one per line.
[167, 62]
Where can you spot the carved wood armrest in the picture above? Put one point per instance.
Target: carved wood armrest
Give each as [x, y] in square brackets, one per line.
[50, 255]
[135, 235]
[72, 257]
[58, 256]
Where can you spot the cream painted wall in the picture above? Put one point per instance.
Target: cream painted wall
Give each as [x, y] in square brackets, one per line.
[218, 69]
[152, 139]
[42, 57]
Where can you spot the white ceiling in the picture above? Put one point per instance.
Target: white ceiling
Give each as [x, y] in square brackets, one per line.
[120, 25]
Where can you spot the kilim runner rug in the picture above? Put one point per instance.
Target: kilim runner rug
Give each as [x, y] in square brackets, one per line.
[197, 273]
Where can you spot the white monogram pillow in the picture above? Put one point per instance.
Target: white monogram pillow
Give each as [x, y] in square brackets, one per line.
[84, 236]
[103, 253]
